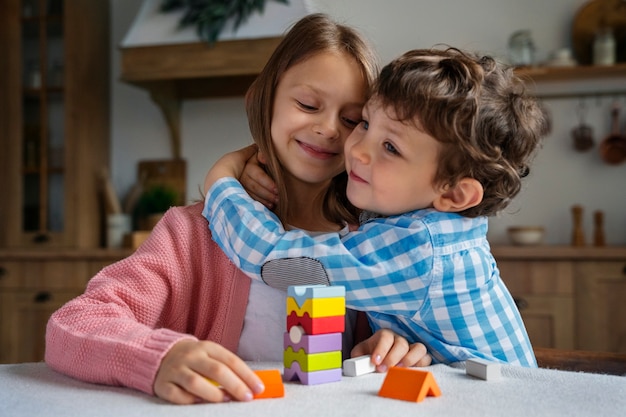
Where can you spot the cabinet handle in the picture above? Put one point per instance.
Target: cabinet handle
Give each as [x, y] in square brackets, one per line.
[520, 303]
[43, 297]
[3, 271]
[41, 238]
[624, 270]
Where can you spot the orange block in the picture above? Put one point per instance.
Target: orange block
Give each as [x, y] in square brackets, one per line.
[273, 381]
[409, 384]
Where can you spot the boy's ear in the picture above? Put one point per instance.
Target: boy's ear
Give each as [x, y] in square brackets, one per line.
[466, 194]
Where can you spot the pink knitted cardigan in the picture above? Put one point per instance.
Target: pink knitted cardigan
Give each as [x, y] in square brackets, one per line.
[177, 285]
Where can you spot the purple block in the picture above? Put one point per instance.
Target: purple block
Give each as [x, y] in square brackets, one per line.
[317, 343]
[311, 378]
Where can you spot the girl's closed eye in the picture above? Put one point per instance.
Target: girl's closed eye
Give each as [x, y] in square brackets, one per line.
[305, 106]
[351, 122]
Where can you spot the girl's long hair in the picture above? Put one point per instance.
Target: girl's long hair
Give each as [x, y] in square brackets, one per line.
[313, 34]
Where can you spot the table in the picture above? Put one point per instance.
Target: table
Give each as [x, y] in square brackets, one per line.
[33, 389]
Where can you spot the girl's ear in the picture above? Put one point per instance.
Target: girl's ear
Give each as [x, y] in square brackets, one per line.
[466, 194]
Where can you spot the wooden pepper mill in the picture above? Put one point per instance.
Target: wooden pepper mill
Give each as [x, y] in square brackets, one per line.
[578, 234]
[598, 230]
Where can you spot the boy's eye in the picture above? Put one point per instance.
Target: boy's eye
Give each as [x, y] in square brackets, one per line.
[306, 106]
[390, 148]
[365, 124]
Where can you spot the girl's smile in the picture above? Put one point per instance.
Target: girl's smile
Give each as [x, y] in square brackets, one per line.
[317, 151]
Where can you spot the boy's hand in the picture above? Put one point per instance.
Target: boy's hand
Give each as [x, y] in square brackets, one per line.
[257, 183]
[388, 349]
[192, 370]
[230, 165]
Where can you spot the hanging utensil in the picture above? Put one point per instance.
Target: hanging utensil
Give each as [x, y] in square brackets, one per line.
[613, 147]
[582, 134]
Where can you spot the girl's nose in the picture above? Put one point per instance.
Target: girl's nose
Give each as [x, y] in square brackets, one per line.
[327, 127]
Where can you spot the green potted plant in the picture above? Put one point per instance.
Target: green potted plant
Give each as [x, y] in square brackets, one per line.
[152, 204]
[210, 16]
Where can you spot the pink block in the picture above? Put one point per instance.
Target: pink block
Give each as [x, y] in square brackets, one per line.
[329, 342]
[311, 378]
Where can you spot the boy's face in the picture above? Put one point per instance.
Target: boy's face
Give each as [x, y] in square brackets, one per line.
[390, 164]
[318, 103]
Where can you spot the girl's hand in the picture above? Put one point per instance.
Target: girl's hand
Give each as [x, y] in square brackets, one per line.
[192, 371]
[388, 349]
[257, 183]
[230, 165]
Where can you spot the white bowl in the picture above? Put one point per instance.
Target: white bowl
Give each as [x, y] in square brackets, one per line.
[526, 235]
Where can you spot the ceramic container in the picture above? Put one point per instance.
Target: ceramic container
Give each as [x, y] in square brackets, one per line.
[526, 235]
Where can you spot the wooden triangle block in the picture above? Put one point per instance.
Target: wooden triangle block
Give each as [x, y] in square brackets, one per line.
[409, 384]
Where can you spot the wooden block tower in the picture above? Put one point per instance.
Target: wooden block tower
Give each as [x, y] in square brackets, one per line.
[315, 323]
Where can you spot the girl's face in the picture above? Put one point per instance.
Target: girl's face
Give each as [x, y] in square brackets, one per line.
[317, 104]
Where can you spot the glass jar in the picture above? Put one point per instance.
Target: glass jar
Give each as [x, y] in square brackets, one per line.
[604, 47]
[521, 48]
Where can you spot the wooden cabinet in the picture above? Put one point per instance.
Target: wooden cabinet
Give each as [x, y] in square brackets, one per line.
[32, 287]
[601, 302]
[544, 294]
[569, 298]
[54, 124]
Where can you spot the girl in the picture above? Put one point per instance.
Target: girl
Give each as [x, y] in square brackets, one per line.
[170, 316]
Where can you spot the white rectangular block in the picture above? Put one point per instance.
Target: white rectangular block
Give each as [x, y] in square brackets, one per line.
[358, 366]
[482, 369]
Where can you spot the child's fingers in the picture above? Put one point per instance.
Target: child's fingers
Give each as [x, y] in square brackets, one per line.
[391, 354]
[258, 184]
[417, 356]
[174, 394]
[232, 374]
[193, 387]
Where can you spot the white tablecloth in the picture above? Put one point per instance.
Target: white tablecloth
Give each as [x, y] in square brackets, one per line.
[33, 389]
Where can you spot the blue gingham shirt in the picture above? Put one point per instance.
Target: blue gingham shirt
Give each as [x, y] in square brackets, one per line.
[428, 276]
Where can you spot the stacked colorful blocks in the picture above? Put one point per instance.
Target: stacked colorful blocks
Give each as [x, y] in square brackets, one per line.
[315, 323]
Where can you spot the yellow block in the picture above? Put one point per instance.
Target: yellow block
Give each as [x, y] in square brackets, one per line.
[313, 361]
[318, 307]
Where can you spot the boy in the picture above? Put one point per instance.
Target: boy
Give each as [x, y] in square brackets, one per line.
[444, 142]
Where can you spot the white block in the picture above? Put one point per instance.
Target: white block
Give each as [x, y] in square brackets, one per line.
[358, 366]
[482, 369]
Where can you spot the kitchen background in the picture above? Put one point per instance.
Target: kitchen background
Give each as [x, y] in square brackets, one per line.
[561, 176]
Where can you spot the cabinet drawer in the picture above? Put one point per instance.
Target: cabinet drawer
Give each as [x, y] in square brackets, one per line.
[24, 315]
[55, 275]
[10, 274]
[40, 275]
[549, 320]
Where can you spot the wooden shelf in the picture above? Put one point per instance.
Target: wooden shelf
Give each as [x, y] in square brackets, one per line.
[534, 76]
[578, 73]
[173, 73]
[197, 70]
[176, 72]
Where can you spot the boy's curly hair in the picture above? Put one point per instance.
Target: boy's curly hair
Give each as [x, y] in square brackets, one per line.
[477, 108]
